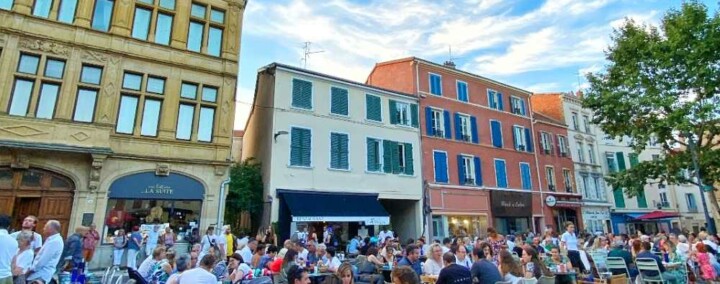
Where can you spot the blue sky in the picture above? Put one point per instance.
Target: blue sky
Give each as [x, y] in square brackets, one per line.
[536, 45]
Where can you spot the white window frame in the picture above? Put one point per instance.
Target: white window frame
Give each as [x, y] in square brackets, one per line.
[586, 184]
[330, 151]
[438, 122]
[380, 152]
[515, 101]
[575, 121]
[447, 167]
[546, 144]
[562, 142]
[581, 151]
[403, 108]
[663, 198]
[599, 190]
[469, 163]
[457, 90]
[522, 138]
[494, 94]
[401, 155]
[687, 201]
[465, 128]
[586, 123]
[550, 177]
[567, 179]
[591, 153]
[430, 75]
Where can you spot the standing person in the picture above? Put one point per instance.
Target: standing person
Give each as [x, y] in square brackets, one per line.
[153, 238]
[496, 243]
[72, 252]
[119, 242]
[8, 249]
[168, 238]
[28, 225]
[46, 261]
[24, 258]
[194, 236]
[453, 273]
[90, 240]
[230, 241]
[569, 241]
[134, 244]
[482, 270]
[201, 274]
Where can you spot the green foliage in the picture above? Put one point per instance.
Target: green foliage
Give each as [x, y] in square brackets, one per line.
[245, 195]
[663, 83]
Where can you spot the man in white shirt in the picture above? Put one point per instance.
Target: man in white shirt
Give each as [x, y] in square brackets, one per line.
[302, 252]
[28, 225]
[221, 242]
[381, 236]
[248, 250]
[333, 261]
[201, 274]
[8, 249]
[47, 259]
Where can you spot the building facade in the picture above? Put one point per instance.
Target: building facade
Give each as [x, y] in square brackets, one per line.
[478, 147]
[335, 153]
[97, 101]
[688, 201]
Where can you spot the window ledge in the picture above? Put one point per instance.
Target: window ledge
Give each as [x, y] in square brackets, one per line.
[405, 126]
[344, 116]
[302, 109]
[301, 167]
[375, 173]
[406, 176]
[339, 170]
[378, 122]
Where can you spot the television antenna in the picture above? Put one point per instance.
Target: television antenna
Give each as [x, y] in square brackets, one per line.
[451, 60]
[307, 52]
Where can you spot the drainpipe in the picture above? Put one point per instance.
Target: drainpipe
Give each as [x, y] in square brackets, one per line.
[427, 219]
[537, 163]
[221, 204]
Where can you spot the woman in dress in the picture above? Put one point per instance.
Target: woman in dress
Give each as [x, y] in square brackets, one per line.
[707, 271]
[168, 238]
[496, 242]
[679, 272]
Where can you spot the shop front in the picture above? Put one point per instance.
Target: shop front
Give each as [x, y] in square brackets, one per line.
[459, 212]
[596, 219]
[644, 222]
[511, 211]
[563, 209]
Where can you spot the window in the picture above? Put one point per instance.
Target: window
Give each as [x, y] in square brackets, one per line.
[302, 94]
[43, 72]
[519, 138]
[373, 108]
[373, 155]
[339, 151]
[690, 198]
[550, 178]
[440, 166]
[102, 15]
[437, 122]
[213, 22]
[204, 104]
[338, 101]
[599, 189]
[163, 13]
[500, 174]
[588, 186]
[300, 147]
[610, 160]
[563, 145]
[518, 105]
[567, 180]
[462, 91]
[398, 158]
[496, 133]
[148, 99]
[655, 157]
[525, 176]
[435, 84]
[88, 88]
[575, 123]
[469, 172]
[495, 100]
[580, 152]
[42, 8]
[547, 142]
[67, 11]
[591, 153]
[402, 113]
[586, 123]
[463, 127]
[6, 4]
[664, 200]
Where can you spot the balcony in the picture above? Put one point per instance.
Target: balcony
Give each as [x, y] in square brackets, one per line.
[662, 204]
[466, 138]
[439, 133]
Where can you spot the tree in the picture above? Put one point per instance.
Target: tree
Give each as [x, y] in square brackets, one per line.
[663, 83]
[245, 196]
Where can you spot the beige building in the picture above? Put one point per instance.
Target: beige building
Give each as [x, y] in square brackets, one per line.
[117, 113]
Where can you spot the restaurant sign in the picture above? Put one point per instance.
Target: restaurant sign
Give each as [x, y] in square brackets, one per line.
[147, 185]
[510, 203]
[368, 220]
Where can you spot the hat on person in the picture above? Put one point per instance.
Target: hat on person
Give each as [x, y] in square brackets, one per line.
[282, 253]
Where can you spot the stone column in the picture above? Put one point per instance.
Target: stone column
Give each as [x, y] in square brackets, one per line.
[83, 15]
[23, 7]
[231, 41]
[180, 25]
[122, 14]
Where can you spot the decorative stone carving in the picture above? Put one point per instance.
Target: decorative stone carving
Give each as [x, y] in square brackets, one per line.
[95, 171]
[20, 161]
[162, 170]
[80, 136]
[220, 170]
[237, 3]
[45, 46]
[23, 130]
[94, 56]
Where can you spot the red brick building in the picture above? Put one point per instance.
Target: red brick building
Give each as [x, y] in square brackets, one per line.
[562, 200]
[478, 147]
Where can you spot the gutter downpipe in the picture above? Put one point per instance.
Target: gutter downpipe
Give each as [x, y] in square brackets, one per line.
[428, 219]
[537, 165]
[221, 204]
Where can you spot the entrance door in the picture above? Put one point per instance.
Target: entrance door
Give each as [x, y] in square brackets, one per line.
[25, 206]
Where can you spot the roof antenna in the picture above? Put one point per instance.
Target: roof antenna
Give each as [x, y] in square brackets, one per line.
[449, 62]
[307, 52]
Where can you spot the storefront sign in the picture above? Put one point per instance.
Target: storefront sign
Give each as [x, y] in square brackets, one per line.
[368, 220]
[550, 200]
[595, 214]
[147, 185]
[511, 203]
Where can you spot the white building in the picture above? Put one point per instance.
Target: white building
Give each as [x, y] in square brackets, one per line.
[689, 203]
[335, 152]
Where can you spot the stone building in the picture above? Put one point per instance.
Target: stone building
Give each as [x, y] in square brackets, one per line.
[117, 113]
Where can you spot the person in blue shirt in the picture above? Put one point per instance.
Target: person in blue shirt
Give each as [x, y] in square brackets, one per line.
[352, 248]
[646, 253]
[133, 245]
[482, 270]
[412, 259]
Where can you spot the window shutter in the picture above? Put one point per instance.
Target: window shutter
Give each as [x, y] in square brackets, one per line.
[295, 147]
[522, 107]
[620, 161]
[478, 171]
[339, 104]
[307, 147]
[387, 156]
[552, 144]
[429, 122]
[392, 111]
[461, 170]
[496, 134]
[529, 141]
[541, 143]
[395, 157]
[448, 124]
[499, 100]
[500, 174]
[642, 201]
[414, 115]
[440, 161]
[372, 159]
[372, 108]
[514, 135]
[525, 176]
[458, 128]
[334, 151]
[619, 198]
[302, 94]
[409, 167]
[633, 159]
[344, 158]
[474, 129]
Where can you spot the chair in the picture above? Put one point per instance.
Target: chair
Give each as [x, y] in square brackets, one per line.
[529, 281]
[135, 275]
[547, 280]
[645, 265]
[618, 263]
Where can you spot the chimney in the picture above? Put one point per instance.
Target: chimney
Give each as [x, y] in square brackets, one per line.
[450, 64]
[579, 94]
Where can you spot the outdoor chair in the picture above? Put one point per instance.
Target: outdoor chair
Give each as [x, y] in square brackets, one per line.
[645, 265]
[618, 263]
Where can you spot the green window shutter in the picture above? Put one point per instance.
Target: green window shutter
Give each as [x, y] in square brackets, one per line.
[633, 159]
[344, 160]
[409, 168]
[620, 161]
[307, 147]
[642, 201]
[392, 111]
[395, 157]
[339, 101]
[414, 115]
[295, 149]
[373, 161]
[302, 94]
[334, 151]
[387, 156]
[373, 108]
[619, 198]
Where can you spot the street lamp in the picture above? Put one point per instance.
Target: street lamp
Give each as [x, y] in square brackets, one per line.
[693, 151]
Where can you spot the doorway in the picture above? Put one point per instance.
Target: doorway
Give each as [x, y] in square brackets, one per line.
[24, 206]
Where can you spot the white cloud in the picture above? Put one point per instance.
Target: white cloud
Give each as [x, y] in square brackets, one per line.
[650, 18]
[543, 87]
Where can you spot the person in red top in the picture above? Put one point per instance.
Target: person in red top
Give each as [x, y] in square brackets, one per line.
[90, 240]
[276, 264]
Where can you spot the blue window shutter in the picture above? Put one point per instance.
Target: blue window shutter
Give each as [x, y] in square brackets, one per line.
[373, 108]
[448, 125]
[500, 174]
[525, 176]
[474, 129]
[478, 171]
[500, 102]
[522, 107]
[440, 167]
[373, 161]
[339, 101]
[461, 170]
[528, 140]
[302, 94]
[496, 134]
[515, 145]
[458, 129]
[429, 122]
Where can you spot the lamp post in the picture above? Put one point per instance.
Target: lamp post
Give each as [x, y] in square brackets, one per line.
[693, 150]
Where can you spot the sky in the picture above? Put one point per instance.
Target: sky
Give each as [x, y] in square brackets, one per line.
[536, 45]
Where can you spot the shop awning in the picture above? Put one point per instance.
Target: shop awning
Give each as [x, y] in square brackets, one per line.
[658, 215]
[335, 207]
[633, 216]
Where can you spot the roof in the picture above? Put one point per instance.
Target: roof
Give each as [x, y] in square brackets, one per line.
[545, 118]
[428, 62]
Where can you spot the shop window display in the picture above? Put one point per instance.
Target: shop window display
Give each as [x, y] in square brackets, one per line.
[180, 215]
